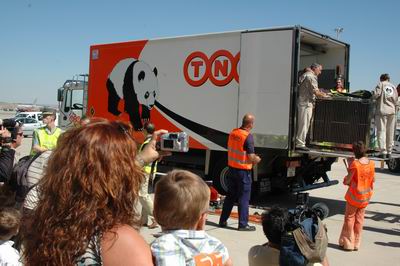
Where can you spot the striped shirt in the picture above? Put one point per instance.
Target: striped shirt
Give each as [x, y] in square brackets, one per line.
[187, 247]
[35, 173]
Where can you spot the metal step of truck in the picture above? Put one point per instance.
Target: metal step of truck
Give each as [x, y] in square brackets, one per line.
[344, 154]
[314, 186]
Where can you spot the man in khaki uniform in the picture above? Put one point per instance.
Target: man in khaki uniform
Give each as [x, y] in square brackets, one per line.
[385, 94]
[308, 91]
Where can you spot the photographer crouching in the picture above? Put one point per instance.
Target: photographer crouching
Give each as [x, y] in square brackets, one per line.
[295, 237]
[11, 136]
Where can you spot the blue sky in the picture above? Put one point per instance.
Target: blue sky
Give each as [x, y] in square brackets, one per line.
[45, 42]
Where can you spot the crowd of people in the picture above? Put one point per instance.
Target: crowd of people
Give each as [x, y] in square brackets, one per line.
[80, 209]
[85, 184]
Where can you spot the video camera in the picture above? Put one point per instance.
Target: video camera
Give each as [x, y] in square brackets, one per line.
[10, 125]
[174, 141]
[302, 211]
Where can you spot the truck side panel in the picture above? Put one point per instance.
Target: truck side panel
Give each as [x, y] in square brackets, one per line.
[265, 82]
[196, 77]
[198, 83]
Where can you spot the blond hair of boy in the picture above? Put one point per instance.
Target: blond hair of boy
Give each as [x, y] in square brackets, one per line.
[9, 223]
[9, 226]
[181, 201]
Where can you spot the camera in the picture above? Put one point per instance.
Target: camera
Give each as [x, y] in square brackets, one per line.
[302, 211]
[304, 238]
[174, 141]
[10, 125]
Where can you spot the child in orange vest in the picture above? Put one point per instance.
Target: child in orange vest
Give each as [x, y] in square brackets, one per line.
[360, 179]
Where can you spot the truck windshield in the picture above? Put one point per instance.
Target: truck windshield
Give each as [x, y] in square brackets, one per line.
[21, 115]
[73, 100]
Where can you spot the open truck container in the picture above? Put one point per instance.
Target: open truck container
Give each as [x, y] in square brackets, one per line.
[204, 84]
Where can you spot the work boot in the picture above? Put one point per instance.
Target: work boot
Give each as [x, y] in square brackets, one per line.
[222, 224]
[247, 228]
[302, 148]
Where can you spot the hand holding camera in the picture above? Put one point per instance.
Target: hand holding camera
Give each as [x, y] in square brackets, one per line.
[174, 142]
[5, 136]
[169, 142]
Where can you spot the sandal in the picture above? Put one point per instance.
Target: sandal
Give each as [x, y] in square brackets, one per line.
[346, 249]
[153, 225]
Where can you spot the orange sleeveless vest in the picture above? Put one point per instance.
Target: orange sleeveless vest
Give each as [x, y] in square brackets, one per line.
[237, 156]
[360, 189]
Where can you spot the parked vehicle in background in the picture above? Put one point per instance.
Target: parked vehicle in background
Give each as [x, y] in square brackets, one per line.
[29, 124]
[394, 163]
[34, 115]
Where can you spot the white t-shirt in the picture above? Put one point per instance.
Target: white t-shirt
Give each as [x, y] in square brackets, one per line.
[9, 256]
[35, 173]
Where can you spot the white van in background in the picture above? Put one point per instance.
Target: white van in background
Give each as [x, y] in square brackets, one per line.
[36, 115]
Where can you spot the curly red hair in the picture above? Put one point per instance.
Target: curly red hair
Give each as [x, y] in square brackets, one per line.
[90, 186]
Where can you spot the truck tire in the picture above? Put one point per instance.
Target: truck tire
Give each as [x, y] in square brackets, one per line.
[394, 165]
[219, 176]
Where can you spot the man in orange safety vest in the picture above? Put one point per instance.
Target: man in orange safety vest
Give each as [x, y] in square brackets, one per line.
[241, 158]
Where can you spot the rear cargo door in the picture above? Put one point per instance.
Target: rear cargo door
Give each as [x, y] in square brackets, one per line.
[265, 84]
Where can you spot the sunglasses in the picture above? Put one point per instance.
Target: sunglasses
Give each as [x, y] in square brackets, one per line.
[125, 129]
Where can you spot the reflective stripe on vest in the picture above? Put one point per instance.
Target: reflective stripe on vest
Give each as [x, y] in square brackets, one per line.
[237, 156]
[147, 168]
[360, 191]
[46, 140]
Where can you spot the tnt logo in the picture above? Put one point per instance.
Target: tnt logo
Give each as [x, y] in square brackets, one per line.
[220, 68]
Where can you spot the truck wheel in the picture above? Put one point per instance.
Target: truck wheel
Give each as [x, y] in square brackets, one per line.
[394, 165]
[219, 175]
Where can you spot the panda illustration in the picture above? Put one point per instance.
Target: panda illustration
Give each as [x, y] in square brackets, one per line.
[135, 82]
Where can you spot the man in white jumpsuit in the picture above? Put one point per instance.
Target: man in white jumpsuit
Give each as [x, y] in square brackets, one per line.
[385, 94]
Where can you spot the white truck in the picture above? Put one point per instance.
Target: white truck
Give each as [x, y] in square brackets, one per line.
[204, 84]
[36, 115]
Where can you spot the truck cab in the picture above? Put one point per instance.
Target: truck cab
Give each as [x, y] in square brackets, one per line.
[72, 98]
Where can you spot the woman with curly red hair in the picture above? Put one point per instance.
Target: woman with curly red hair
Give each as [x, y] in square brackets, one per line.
[85, 213]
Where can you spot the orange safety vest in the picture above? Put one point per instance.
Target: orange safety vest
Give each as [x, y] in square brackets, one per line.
[360, 189]
[237, 156]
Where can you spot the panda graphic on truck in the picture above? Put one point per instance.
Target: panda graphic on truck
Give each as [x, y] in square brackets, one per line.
[136, 83]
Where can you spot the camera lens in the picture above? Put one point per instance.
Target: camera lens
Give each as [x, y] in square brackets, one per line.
[321, 209]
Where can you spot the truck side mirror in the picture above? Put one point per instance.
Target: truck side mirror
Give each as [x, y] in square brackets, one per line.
[60, 97]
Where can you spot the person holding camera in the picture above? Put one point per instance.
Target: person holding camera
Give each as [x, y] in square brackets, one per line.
[11, 138]
[149, 170]
[45, 138]
[241, 158]
[360, 179]
[274, 223]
